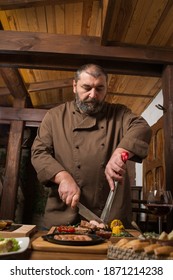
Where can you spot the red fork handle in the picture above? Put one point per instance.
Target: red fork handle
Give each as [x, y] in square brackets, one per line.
[125, 156]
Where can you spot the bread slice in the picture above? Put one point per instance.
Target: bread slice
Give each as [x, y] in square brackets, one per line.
[170, 235]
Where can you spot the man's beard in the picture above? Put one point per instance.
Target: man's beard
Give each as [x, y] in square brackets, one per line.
[89, 106]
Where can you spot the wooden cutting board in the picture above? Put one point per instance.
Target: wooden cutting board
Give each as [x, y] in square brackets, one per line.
[20, 231]
[42, 245]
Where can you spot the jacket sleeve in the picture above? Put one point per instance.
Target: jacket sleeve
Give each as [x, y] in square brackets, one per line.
[42, 152]
[136, 135]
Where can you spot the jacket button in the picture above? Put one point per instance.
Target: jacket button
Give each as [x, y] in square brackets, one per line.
[78, 166]
[102, 144]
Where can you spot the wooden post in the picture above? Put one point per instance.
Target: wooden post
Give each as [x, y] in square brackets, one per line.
[167, 82]
[10, 184]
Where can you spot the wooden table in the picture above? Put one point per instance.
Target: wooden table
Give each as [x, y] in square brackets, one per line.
[32, 254]
[43, 255]
[38, 250]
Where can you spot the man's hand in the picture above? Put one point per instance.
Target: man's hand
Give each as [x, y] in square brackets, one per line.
[68, 190]
[116, 168]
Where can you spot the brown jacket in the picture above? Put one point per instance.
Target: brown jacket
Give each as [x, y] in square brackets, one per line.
[82, 145]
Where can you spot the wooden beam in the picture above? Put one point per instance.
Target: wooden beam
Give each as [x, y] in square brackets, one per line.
[107, 12]
[136, 95]
[167, 85]
[51, 51]
[4, 91]
[39, 86]
[116, 20]
[27, 123]
[15, 84]
[22, 114]
[18, 4]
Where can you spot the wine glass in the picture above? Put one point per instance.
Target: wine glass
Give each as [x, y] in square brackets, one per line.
[159, 203]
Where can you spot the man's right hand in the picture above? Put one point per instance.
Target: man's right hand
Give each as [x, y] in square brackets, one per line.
[68, 190]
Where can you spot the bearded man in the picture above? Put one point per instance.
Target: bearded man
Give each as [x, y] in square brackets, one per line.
[78, 147]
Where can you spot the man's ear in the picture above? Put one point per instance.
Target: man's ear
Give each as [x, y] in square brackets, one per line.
[74, 86]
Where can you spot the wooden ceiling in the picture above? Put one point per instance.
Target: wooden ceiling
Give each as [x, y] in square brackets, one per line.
[43, 42]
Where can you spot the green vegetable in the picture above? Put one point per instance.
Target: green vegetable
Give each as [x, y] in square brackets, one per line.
[151, 234]
[122, 234]
[16, 245]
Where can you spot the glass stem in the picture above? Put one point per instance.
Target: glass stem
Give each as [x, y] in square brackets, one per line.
[160, 224]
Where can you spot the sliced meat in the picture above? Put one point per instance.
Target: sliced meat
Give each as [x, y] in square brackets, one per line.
[92, 224]
[72, 237]
[97, 225]
[86, 224]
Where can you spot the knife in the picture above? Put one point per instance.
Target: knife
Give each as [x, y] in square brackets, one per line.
[106, 211]
[88, 214]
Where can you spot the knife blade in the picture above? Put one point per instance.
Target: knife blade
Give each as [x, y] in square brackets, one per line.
[106, 211]
[108, 205]
[88, 214]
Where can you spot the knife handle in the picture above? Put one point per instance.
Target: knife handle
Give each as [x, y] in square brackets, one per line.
[125, 156]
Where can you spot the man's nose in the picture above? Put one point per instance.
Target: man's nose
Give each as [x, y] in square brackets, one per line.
[93, 93]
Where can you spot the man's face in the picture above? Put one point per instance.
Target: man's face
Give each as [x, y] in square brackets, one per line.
[90, 93]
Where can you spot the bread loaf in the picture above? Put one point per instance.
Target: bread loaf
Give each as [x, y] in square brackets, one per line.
[140, 246]
[170, 235]
[150, 248]
[163, 250]
[121, 242]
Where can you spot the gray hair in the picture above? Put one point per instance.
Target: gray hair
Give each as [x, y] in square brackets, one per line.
[94, 70]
